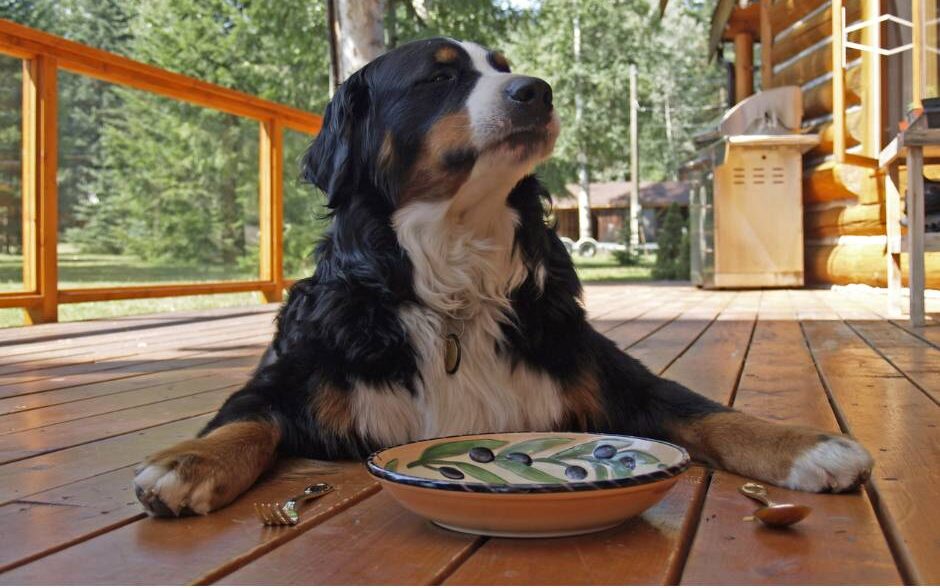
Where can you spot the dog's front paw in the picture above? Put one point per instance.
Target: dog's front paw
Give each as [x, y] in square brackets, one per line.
[175, 483]
[834, 464]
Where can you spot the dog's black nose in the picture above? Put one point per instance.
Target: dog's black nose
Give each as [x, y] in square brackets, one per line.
[530, 92]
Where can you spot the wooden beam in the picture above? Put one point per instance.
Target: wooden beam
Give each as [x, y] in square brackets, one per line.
[271, 209]
[18, 300]
[838, 83]
[834, 221]
[743, 66]
[918, 69]
[766, 46]
[818, 100]
[860, 263]
[809, 30]
[19, 40]
[831, 181]
[809, 67]
[785, 13]
[39, 185]
[74, 295]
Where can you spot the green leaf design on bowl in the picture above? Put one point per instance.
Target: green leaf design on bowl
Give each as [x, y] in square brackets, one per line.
[392, 465]
[534, 445]
[475, 471]
[453, 448]
[587, 449]
[528, 472]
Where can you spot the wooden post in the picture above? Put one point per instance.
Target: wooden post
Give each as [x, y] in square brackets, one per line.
[838, 85]
[918, 53]
[634, 167]
[915, 232]
[872, 133]
[766, 46]
[271, 209]
[40, 207]
[743, 66]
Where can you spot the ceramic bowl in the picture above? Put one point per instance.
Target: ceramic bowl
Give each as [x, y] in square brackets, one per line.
[529, 484]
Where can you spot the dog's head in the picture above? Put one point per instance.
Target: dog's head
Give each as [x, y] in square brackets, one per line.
[432, 120]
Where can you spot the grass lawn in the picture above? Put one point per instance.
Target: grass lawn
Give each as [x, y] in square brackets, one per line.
[85, 270]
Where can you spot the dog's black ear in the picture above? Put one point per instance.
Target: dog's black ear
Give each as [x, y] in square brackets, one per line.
[329, 163]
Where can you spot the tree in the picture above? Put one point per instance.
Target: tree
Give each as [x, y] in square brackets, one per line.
[671, 241]
[356, 36]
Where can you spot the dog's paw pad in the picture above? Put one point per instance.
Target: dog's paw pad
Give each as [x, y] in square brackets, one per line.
[834, 464]
[166, 492]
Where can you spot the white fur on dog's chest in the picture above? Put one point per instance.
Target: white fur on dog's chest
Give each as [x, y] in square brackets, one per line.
[463, 273]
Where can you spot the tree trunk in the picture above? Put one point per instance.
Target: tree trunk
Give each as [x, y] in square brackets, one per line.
[584, 176]
[356, 35]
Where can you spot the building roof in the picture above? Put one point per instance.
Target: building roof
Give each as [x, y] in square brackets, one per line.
[617, 195]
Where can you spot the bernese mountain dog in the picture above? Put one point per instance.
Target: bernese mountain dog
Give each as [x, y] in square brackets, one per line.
[443, 303]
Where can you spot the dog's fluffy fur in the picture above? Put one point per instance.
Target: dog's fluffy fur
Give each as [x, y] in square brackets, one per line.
[438, 228]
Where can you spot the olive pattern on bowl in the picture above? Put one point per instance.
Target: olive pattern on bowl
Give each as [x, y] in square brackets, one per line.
[541, 460]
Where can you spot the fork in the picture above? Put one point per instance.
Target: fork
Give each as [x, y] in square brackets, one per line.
[275, 514]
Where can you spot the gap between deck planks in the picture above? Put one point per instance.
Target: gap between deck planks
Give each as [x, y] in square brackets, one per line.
[657, 539]
[700, 343]
[897, 421]
[841, 542]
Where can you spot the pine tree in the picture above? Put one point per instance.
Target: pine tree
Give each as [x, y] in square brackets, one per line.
[671, 241]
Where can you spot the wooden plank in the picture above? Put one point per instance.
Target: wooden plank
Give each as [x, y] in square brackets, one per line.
[414, 551]
[114, 370]
[29, 366]
[23, 41]
[911, 356]
[644, 550]
[78, 463]
[197, 549]
[229, 374]
[658, 315]
[25, 444]
[65, 333]
[658, 539]
[51, 520]
[888, 414]
[658, 350]
[841, 542]
[144, 384]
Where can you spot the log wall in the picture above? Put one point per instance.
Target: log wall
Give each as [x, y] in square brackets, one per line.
[844, 210]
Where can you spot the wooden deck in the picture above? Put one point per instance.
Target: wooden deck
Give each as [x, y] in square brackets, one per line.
[81, 403]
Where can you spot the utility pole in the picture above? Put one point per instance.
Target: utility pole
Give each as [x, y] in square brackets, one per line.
[584, 180]
[634, 167]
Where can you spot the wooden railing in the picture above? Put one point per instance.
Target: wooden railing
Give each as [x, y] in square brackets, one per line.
[43, 56]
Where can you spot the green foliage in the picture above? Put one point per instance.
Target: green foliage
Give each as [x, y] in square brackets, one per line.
[673, 247]
[168, 182]
[626, 256]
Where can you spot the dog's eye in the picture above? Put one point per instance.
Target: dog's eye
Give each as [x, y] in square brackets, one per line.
[441, 76]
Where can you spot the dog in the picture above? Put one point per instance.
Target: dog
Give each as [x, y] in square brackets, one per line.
[443, 303]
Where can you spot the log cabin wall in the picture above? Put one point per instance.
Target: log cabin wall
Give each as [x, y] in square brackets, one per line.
[844, 204]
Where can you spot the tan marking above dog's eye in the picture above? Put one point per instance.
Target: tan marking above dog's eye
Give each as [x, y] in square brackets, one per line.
[498, 61]
[446, 54]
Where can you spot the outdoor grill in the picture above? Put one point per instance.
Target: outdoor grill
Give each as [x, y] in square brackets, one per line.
[746, 205]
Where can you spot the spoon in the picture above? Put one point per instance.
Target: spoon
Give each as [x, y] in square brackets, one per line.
[774, 514]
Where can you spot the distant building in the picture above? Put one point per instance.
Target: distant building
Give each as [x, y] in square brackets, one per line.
[610, 202]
